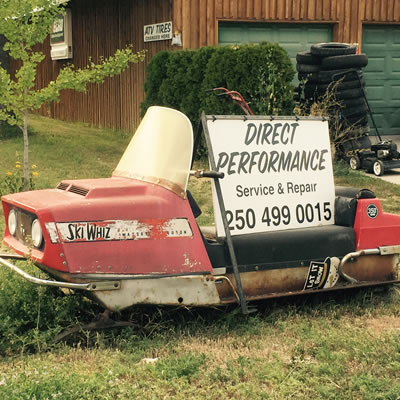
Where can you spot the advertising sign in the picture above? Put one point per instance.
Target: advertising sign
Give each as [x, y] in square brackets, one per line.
[278, 173]
[160, 31]
[57, 30]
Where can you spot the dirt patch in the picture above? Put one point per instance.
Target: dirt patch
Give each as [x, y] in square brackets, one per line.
[382, 325]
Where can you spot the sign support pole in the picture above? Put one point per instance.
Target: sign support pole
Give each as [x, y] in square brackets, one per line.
[242, 297]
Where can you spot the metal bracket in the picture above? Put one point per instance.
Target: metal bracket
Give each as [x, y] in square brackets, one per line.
[89, 286]
[383, 251]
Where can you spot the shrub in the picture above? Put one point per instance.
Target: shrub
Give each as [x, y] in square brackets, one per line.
[261, 73]
[182, 80]
[156, 72]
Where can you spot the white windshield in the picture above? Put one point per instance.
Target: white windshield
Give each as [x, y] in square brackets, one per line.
[160, 151]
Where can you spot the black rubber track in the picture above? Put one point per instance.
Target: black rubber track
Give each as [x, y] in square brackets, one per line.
[333, 49]
[342, 62]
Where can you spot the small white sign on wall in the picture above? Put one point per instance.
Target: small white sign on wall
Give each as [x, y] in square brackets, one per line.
[278, 173]
[160, 31]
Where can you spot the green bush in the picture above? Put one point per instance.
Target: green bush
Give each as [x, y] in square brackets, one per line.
[156, 72]
[32, 315]
[182, 80]
[261, 73]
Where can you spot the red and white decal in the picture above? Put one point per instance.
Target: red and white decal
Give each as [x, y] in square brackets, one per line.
[93, 231]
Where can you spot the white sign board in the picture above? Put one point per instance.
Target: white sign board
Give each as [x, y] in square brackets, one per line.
[278, 173]
[160, 31]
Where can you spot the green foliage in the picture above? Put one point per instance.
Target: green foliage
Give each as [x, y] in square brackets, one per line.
[156, 72]
[261, 73]
[182, 80]
[25, 23]
[32, 315]
[13, 180]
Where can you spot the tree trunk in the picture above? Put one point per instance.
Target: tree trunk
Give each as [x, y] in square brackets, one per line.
[26, 153]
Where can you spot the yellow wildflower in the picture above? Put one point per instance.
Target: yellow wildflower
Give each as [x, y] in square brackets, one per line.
[9, 173]
[35, 173]
[34, 166]
[17, 165]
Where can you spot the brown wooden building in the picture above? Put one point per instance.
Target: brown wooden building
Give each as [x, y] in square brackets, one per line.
[99, 27]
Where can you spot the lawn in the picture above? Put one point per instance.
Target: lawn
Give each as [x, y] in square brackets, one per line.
[332, 346]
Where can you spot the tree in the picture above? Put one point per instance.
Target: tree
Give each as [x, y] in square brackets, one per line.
[24, 24]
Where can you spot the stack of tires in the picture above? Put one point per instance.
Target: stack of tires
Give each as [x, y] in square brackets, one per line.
[326, 63]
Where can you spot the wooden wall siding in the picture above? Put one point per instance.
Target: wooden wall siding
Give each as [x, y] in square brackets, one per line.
[102, 26]
[198, 19]
[99, 28]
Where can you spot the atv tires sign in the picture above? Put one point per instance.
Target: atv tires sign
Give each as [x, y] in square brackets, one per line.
[277, 172]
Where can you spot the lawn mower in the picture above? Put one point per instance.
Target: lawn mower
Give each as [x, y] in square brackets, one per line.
[362, 154]
[133, 238]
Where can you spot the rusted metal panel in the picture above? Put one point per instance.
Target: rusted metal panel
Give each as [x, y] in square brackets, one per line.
[281, 282]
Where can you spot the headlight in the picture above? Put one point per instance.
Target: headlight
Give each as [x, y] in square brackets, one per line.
[12, 222]
[36, 232]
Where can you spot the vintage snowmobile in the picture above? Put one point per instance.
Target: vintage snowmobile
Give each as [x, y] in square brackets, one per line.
[133, 238]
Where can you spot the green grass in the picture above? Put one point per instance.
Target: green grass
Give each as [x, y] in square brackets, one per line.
[331, 346]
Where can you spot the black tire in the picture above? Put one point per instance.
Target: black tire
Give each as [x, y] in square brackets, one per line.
[308, 76]
[354, 101]
[355, 162]
[333, 49]
[306, 57]
[336, 74]
[357, 120]
[348, 93]
[378, 168]
[322, 87]
[344, 62]
[357, 110]
[307, 68]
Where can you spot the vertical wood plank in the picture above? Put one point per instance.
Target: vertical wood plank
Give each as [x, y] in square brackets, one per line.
[194, 24]
[242, 8]
[186, 24]
[340, 18]
[218, 8]
[211, 24]
[257, 9]
[296, 10]
[376, 10]
[303, 9]
[288, 9]
[177, 15]
[280, 10]
[234, 8]
[384, 10]
[203, 22]
[311, 10]
[347, 22]
[267, 9]
[334, 9]
[273, 9]
[390, 9]
[226, 9]
[396, 11]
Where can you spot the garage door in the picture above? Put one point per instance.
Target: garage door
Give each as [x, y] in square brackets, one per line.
[292, 37]
[382, 75]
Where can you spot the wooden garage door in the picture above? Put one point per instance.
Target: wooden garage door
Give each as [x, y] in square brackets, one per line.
[381, 43]
[292, 37]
